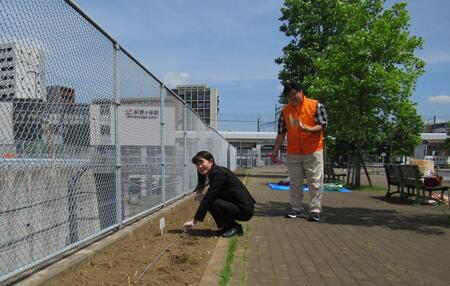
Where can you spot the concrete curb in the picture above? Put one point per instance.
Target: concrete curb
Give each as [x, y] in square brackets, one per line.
[211, 276]
[238, 266]
[49, 276]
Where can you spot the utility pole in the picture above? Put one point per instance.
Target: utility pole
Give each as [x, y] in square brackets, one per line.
[434, 123]
[275, 113]
[257, 123]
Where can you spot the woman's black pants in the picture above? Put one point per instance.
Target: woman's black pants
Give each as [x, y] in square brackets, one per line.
[225, 213]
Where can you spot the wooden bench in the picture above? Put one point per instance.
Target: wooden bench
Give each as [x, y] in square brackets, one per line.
[393, 179]
[331, 175]
[412, 178]
[409, 182]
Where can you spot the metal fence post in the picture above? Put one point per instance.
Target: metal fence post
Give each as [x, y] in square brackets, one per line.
[185, 178]
[79, 135]
[119, 207]
[163, 148]
[229, 156]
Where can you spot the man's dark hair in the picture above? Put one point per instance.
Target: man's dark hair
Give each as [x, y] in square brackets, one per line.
[291, 86]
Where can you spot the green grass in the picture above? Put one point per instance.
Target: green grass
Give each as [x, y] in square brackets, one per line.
[226, 272]
[241, 172]
[245, 256]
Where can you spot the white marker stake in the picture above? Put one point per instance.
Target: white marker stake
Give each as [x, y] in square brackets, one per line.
[162, 225]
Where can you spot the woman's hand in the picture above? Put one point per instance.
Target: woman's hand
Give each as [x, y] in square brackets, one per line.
[189, 224]
[199, 197]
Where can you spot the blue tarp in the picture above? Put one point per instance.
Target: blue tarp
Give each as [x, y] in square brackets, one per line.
[277, 187]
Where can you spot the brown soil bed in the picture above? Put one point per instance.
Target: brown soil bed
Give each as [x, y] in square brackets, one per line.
[183, 264]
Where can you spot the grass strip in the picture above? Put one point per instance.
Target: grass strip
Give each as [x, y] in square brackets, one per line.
[245, 256]
[226, 272]
[367, 188]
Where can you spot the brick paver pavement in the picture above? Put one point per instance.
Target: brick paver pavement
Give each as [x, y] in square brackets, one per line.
[361, 240]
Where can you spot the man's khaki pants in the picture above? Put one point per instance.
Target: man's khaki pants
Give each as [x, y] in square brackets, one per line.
[310, 165]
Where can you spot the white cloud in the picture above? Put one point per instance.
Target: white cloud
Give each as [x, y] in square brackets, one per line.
[439, 99]
[172, 79]
[280, 87]
[438, 57]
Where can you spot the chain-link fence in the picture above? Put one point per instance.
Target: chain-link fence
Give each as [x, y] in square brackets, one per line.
[89, 138]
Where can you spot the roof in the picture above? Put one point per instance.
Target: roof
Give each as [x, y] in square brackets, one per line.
[248, 135]
[229, 135]
[434, 136]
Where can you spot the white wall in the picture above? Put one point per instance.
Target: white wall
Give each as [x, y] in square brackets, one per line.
[6, 123]
[139, 125]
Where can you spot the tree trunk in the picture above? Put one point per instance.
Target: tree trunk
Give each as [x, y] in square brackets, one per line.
[365, 169]
[357, 168]
[349, 167]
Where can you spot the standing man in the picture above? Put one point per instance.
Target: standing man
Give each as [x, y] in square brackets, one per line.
[303, 120]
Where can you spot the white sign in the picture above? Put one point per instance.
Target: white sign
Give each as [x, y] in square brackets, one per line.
[141, 126]
[142, 113]
[162, 225]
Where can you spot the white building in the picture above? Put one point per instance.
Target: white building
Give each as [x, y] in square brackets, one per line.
[432, 148]
[140, 140]
[139, 119]
[21, 72]
[203, 99]
[58, 124]
[253, 148]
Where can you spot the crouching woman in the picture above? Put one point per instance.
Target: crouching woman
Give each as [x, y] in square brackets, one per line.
[227, 199]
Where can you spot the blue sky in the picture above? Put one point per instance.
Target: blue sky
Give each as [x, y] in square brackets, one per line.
[232, 45]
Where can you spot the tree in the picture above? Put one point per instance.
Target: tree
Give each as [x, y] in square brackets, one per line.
[358, 58]
[403, 132]
[447, 141]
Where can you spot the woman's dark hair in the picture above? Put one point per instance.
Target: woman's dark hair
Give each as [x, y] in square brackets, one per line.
[202, 155]
[201, 182]
[201, 179]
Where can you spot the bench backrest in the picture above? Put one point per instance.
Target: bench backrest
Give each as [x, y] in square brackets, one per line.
[410, 176]
[329, 169]
[392, 174]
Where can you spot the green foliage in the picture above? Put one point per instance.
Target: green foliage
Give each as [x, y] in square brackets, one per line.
[447, 144]
[358, 58]
[226, 272]
[367, 188]
[447, 141]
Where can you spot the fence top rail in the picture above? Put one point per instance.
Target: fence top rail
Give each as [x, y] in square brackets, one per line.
[4, 162]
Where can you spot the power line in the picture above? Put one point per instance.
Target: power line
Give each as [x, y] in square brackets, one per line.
[231, 120]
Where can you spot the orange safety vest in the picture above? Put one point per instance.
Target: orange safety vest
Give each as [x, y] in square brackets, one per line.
[302, 142]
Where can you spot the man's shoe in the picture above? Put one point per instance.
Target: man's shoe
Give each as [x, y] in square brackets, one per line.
[295, 214]
[314, 216]
[232, 231]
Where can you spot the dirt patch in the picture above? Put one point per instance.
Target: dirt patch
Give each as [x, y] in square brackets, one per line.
[183, 264]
